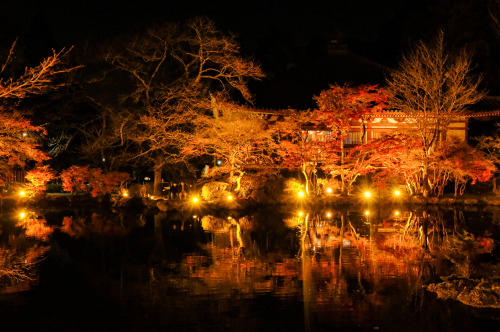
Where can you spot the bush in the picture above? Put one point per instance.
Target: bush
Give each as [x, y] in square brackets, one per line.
[215, 192]
[91, 180]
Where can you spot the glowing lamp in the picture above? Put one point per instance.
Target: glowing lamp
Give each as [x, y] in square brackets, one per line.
[22, 215]
[22, 193]
[397, 193]
[367, 213]
[396, 213]
[300, 213]
[195, 199]
[229, 197]
[368, 194]
[329, 190]
[301, 194]
[125, 194]
[328, 214]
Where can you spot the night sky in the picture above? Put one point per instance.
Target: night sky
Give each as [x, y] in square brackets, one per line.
[278, 34]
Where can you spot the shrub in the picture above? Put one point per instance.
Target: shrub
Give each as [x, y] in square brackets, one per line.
[91, 180]
[38, 179]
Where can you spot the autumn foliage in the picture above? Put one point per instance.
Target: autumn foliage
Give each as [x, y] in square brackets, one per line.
[83, 179]
[38, 179]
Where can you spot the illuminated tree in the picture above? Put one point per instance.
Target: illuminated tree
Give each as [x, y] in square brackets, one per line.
[398, 162]
[432, 86]
[459, 162]
[38, 179]
[490, 146]
[83, 179]
[239, 140]
[19, 138]
[297, 149]
[167, 76]
[339, 109]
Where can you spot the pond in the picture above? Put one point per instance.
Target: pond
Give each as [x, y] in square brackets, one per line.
[96, 269]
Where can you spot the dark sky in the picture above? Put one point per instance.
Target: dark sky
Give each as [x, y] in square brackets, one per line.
[278, 34]
[294, 22]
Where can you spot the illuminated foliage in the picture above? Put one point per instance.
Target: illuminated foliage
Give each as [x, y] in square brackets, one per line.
[242, 142]
[38, 179]
[19, 138]
[168, 75]
[432, 86]
[19, 142]
[339, 108]
[457, 161]
[83, 179]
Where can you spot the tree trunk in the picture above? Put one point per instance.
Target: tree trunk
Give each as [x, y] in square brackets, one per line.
[425, 177]
[304, 171]
[238, 181]
[157, 182]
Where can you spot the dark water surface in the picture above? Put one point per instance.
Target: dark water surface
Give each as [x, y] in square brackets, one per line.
[269, 270]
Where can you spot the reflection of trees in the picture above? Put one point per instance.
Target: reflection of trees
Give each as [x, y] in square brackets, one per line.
[35, 227]
[22, 252]
[81, 226]
[17, 266]
[334, 265]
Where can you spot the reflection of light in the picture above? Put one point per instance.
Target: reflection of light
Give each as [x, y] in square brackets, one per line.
[368, 194]
[301, 194]
[328, 214]
[329, 190]
[22, 193]
[195, 216]
[300, 213]
[397, 193]
[22, 215]
[367, 212]
[229, 218]
[195, 199]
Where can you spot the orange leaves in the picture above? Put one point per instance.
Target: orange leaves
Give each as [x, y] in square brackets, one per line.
[38, 179]
[339, 106]
[36, 227]
[19, 141]
[85, 179]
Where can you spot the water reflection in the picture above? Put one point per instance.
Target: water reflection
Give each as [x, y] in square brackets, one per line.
[23, 245]
[331, 268]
